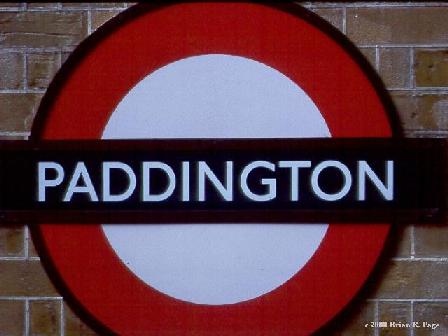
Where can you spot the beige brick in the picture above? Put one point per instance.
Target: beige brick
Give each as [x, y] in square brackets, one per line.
[100, 17]
[431, 68]
[73, 326]
[431, 240]
[24, 278]
[388, 25]
[432, 312]
[12, 318]
[412, 280]
[394, 312]
[354, 321]
[331, 15]
[17, 111]
[11, 69]
[45, 317]
[11, 241]
[370, 55]
[41, 69]
[394, 67]
[422, 111]
[42, 29]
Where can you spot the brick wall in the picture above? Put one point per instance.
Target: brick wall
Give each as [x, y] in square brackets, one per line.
[406, 42]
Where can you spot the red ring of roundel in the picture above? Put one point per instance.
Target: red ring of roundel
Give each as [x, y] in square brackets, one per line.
[90, 269]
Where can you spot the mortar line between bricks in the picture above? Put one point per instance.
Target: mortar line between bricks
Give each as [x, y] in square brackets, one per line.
[413, 241]
[26, 242]
[13, 258]
[412, 318]
[376, 331]
[6, 133]
[14, 134]
[59, 58]
[20, 258]
[89, 22]
[416, 259]
[37, 50]
[419, 130]
[61, 321]
[22, 91]
[413, 133]
[422, 89]
[15, 9]
[411, 68]
[404, 45]
[57, 7]
[25, 70]
[27, 317]
[30, 298]
[24, 76]
[374, 5]
[65, 9]
[407, 300]
[377, 58]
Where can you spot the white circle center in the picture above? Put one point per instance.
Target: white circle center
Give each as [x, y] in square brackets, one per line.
[215, 96]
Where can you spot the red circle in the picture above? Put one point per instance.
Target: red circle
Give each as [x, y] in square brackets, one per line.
[288, 42]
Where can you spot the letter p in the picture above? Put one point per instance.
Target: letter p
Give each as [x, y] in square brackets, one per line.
[42, 180]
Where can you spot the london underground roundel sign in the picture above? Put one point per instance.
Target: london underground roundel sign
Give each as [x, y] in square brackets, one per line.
[212, 71]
